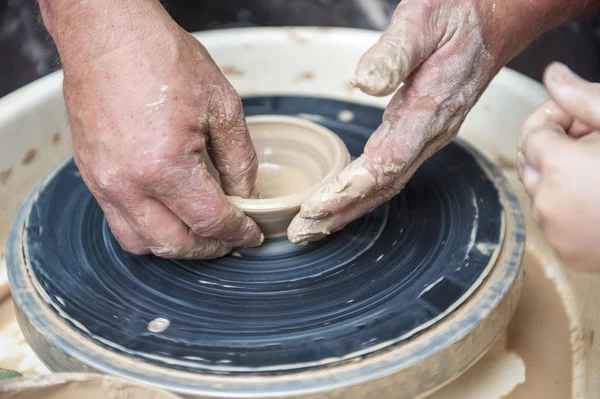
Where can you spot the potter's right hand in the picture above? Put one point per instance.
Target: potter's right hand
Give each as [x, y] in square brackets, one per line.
[445, 52]
[144, 99]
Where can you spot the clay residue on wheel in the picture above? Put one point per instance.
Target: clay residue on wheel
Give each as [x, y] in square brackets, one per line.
[29, 156]
[533, 358]
[303, 76]
[539, 333]
[232, 70]
[504, 162]
[4, 175]
[78, 386]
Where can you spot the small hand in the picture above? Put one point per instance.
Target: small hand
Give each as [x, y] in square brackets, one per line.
[559, 164]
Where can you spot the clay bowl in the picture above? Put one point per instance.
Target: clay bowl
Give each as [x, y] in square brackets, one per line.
[296, 157]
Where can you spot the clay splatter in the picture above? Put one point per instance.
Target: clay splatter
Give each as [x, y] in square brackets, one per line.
[312, 117]
[29, 156]
[302, 76]
[349, 87]
[296, 37]
[346, 116]
[56, 138]
[4, 175]
[158, 325]
[232, 70]
[504, 162]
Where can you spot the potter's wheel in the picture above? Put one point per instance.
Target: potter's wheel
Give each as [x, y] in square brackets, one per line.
[410, 295]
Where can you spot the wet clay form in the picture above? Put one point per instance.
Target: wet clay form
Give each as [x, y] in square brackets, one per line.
[295, 158]
[397, 304]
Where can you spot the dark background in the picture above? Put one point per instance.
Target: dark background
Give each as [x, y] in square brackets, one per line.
[27, 53]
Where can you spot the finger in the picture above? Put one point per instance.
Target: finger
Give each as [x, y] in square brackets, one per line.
[546, 113]
[574, 95]
[579, 129]
[196, 198]
[589, 140]
[355, 182]
[168, 237]
[551, 112]
[230, 146]
[304, 230]
[531, 178]
[127, 237]
[543, 144]
[392, 154]
[404, 45]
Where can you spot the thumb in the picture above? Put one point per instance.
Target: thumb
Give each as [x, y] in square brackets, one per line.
[543, 144]
[405, 44]
[576, 96]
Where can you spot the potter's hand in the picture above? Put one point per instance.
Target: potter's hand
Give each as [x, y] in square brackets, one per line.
[144, 99]
[559, 164]
[445, 52]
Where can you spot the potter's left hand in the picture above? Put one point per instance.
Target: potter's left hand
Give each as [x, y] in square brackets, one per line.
[445, 52]
[559, 165]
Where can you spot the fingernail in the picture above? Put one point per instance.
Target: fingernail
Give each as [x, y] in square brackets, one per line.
[559, 73]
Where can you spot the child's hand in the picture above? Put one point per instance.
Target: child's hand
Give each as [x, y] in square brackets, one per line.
[559, 165]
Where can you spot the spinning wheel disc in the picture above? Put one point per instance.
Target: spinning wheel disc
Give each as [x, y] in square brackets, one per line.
[386, 279]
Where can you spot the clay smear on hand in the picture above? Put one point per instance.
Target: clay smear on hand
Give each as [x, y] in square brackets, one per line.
[437, 52]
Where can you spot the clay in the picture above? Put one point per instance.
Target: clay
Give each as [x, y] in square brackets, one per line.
[533, 358]
[278, 180]
[15, 354]
[539, 333]
[296, 157]
[76, 386]
[354, 183]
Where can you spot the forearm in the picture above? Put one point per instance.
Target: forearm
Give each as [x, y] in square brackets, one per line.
[510, 26]
[83, 30]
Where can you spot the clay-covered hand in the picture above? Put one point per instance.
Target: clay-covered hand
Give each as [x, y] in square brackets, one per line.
[559, 165]
[441, 55]
[144, 101]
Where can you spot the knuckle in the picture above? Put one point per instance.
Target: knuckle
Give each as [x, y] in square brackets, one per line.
[168, 251]
[227, 110]
[207, 249]
[127, 239]
[152, 172]
[133, 248]
[215, 222]
[106, 178]
[246, 167]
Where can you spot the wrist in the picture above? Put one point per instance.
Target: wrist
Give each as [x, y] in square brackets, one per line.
[510, 26]
[83, 31]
